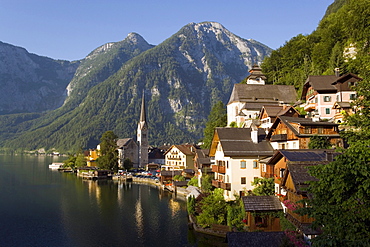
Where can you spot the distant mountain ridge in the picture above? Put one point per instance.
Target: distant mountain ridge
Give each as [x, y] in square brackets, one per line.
[182, 78]
[32, 83]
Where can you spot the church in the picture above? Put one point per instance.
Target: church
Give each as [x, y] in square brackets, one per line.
[137, 151]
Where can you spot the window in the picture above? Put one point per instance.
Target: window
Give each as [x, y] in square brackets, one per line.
[307, 130]
[319, 130]
[282, 172]
[243, 180]
[327, 98]
[263, 167]
[255, 164]
[352, 96]
[243, 164]
[327, 110]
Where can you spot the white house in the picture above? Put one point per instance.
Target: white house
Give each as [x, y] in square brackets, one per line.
[237, 152]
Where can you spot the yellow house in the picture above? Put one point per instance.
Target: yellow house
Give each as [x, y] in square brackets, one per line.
[179, 157]
[92, 157]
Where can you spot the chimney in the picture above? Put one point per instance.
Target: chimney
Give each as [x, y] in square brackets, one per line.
[336, 70]
[254, 133]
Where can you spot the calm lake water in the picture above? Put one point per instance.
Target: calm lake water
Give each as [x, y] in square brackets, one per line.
[41, 207]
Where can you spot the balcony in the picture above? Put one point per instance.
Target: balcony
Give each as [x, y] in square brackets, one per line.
[310, 107]
[216, 183]
[218, 169]
[225, 186]
[220, 184]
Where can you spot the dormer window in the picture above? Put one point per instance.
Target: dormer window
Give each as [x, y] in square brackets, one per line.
[327, 98]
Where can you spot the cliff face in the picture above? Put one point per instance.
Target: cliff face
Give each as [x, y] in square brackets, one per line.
[31, 83]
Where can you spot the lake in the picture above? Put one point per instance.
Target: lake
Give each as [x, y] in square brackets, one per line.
[43, 207]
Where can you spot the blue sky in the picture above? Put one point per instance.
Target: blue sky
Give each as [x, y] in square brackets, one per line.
[70, 30]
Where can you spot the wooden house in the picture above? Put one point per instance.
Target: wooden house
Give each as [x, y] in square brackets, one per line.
[295, 132]
[262, 213]
[269, 113]
[276, 166]
[295, 183]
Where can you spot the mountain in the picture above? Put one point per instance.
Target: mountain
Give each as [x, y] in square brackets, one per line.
[181, 79]
[31, 83]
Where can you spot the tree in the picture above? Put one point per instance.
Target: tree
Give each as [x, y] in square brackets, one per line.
[213, 209]
[216, 118]
[341, 196]
[263, 186]
[127, 164]
[108, 152]
[236, 214]
[319, 142]
[206, 183]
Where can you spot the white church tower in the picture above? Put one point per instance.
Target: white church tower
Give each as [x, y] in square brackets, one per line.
[142, 136]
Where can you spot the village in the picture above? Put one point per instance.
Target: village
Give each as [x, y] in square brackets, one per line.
[269, 138]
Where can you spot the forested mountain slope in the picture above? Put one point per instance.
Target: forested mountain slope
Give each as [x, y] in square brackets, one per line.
[341, 41]
[181, 79]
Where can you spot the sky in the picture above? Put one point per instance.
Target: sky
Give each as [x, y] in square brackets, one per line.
[71, 29]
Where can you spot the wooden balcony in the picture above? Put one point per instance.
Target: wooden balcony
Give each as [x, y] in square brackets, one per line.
[216, 183]
[221, 184]
[225, 186]
[218, 169]
[310, 107]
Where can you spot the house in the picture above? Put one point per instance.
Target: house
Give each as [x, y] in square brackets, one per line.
[269, 113]
[156, 156]
[91, 157]
[276, 166]
[179, 157]
[295, 132]
[246, 100]
[202, 164]
[237, 152]
[321, 93]
[262, 213]
[295, 182]
[127, 149]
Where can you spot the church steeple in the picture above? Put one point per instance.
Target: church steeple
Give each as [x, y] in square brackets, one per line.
[142, 135]
[143, 113]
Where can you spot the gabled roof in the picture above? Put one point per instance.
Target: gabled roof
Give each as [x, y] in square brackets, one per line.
[261, 203]
[123, 142]
[264, 93]
[300, 176]
[238, 142]
[202, 156]
[276, 110]
[326, 83]
[185, 149]
[288, 121]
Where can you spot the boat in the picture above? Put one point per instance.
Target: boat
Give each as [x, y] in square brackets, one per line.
[55, 165]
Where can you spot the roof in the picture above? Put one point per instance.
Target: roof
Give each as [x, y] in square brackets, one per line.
[301, 155]
[322, 82]
[342, 104]
[255, 93]
[277, 110]
[326, 83]
[170, 173]
[184, 148]
[202, 156]
[123, 142]
[255, 239]
[238, 142]
[261, 203]
[300, 176]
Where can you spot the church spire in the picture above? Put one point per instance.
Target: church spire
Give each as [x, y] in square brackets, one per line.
[143, 113]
